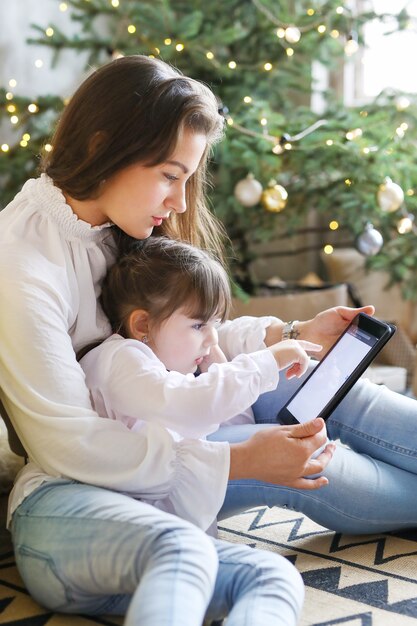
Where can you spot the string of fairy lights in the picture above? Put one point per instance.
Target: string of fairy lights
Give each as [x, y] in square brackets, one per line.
[249, 192]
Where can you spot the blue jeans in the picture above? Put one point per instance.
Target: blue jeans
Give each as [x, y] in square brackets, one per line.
[372, 482]
[82, 549]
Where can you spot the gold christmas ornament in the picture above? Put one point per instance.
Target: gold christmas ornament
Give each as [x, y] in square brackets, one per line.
[390, 196]
[274, 198]
[248, 191]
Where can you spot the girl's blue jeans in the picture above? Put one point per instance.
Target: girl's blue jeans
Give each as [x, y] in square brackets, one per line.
[82, 549]
[372, 482]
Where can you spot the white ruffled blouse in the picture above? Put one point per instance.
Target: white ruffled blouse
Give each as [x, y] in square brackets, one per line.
[51, 268]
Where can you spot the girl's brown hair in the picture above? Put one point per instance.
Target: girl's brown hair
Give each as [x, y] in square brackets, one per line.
[133, 110]
[161, 275]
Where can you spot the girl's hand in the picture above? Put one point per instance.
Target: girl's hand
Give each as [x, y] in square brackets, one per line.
[282, 455]
[292, 352]
[216, 356]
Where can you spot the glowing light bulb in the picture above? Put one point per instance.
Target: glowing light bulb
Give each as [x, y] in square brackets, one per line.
[26, 137]
[209, 55]
[14, 119]
[328, 249]
[321, 28]
[263, 121]
[47, 147]
[11, 108]
[9, 95]
[267, 67]
[310, 12]
[179, 47]
[334, 33]
[12, 83]
[351, 46]
[247, 99]
[5, 147]
[340, 10]
[49, 32]
[329, 142]
[232, 65]
[230, 121]
[115, 3]
[287, 146]
[38, 63]
[33, 108]
[167, 41]
[63, 6]
[292, 34]
[348, 182]
[405, 225]
[402, 103]
[290, 52]
[280, 33]
[131, 29]
[334, 225]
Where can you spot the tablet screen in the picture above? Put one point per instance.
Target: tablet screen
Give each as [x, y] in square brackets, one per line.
[330, 374]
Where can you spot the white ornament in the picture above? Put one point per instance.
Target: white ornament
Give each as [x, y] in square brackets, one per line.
[292, 34]
[370, 241]
[390, 196]
[248, 191]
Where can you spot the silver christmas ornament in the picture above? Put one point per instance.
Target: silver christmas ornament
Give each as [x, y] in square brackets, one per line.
[370, 241]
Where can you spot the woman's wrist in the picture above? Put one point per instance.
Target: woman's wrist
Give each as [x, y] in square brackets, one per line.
[273, 333]
[238, 461]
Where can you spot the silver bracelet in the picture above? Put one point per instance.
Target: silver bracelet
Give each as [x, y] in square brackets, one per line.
[290, 331]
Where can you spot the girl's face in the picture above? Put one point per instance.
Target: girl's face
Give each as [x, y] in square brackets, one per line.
[138, 198]
[181, 342]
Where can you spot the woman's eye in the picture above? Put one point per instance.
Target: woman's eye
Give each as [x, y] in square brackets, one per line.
[171, 177]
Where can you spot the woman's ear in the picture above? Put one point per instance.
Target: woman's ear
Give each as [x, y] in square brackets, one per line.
[138, 324]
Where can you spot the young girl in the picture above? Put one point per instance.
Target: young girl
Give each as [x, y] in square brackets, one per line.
[165, 301]
[129, 155]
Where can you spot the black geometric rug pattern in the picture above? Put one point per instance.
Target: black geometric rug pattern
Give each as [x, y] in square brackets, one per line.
[368, 580]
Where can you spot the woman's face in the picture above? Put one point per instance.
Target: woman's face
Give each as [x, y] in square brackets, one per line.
[138, 198]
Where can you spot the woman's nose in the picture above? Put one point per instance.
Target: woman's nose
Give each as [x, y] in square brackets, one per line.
[176, 201]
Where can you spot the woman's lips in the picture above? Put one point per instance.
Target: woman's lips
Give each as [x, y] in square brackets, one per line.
[157, 220]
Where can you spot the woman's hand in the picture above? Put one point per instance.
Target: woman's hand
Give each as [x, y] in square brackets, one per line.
[282, 456]
[291, 352]
[328, 325]
[323, 329]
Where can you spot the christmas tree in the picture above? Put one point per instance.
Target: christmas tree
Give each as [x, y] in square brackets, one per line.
[280, 160]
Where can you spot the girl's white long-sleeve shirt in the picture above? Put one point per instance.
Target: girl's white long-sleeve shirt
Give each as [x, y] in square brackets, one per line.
[51, 268]
[129, 383]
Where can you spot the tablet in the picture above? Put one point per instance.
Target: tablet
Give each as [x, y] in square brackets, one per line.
[338, 371]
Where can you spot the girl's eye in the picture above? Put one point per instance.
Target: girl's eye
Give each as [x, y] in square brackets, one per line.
[198, 326]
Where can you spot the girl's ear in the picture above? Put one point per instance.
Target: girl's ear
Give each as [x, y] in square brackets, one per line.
[138, 324]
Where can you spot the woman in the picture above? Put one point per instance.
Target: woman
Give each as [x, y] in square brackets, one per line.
[130, 152]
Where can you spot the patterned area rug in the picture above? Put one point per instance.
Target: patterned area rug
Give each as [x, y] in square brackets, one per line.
[350, 580]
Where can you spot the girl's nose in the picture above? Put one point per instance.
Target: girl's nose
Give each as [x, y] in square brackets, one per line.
[211, 337]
